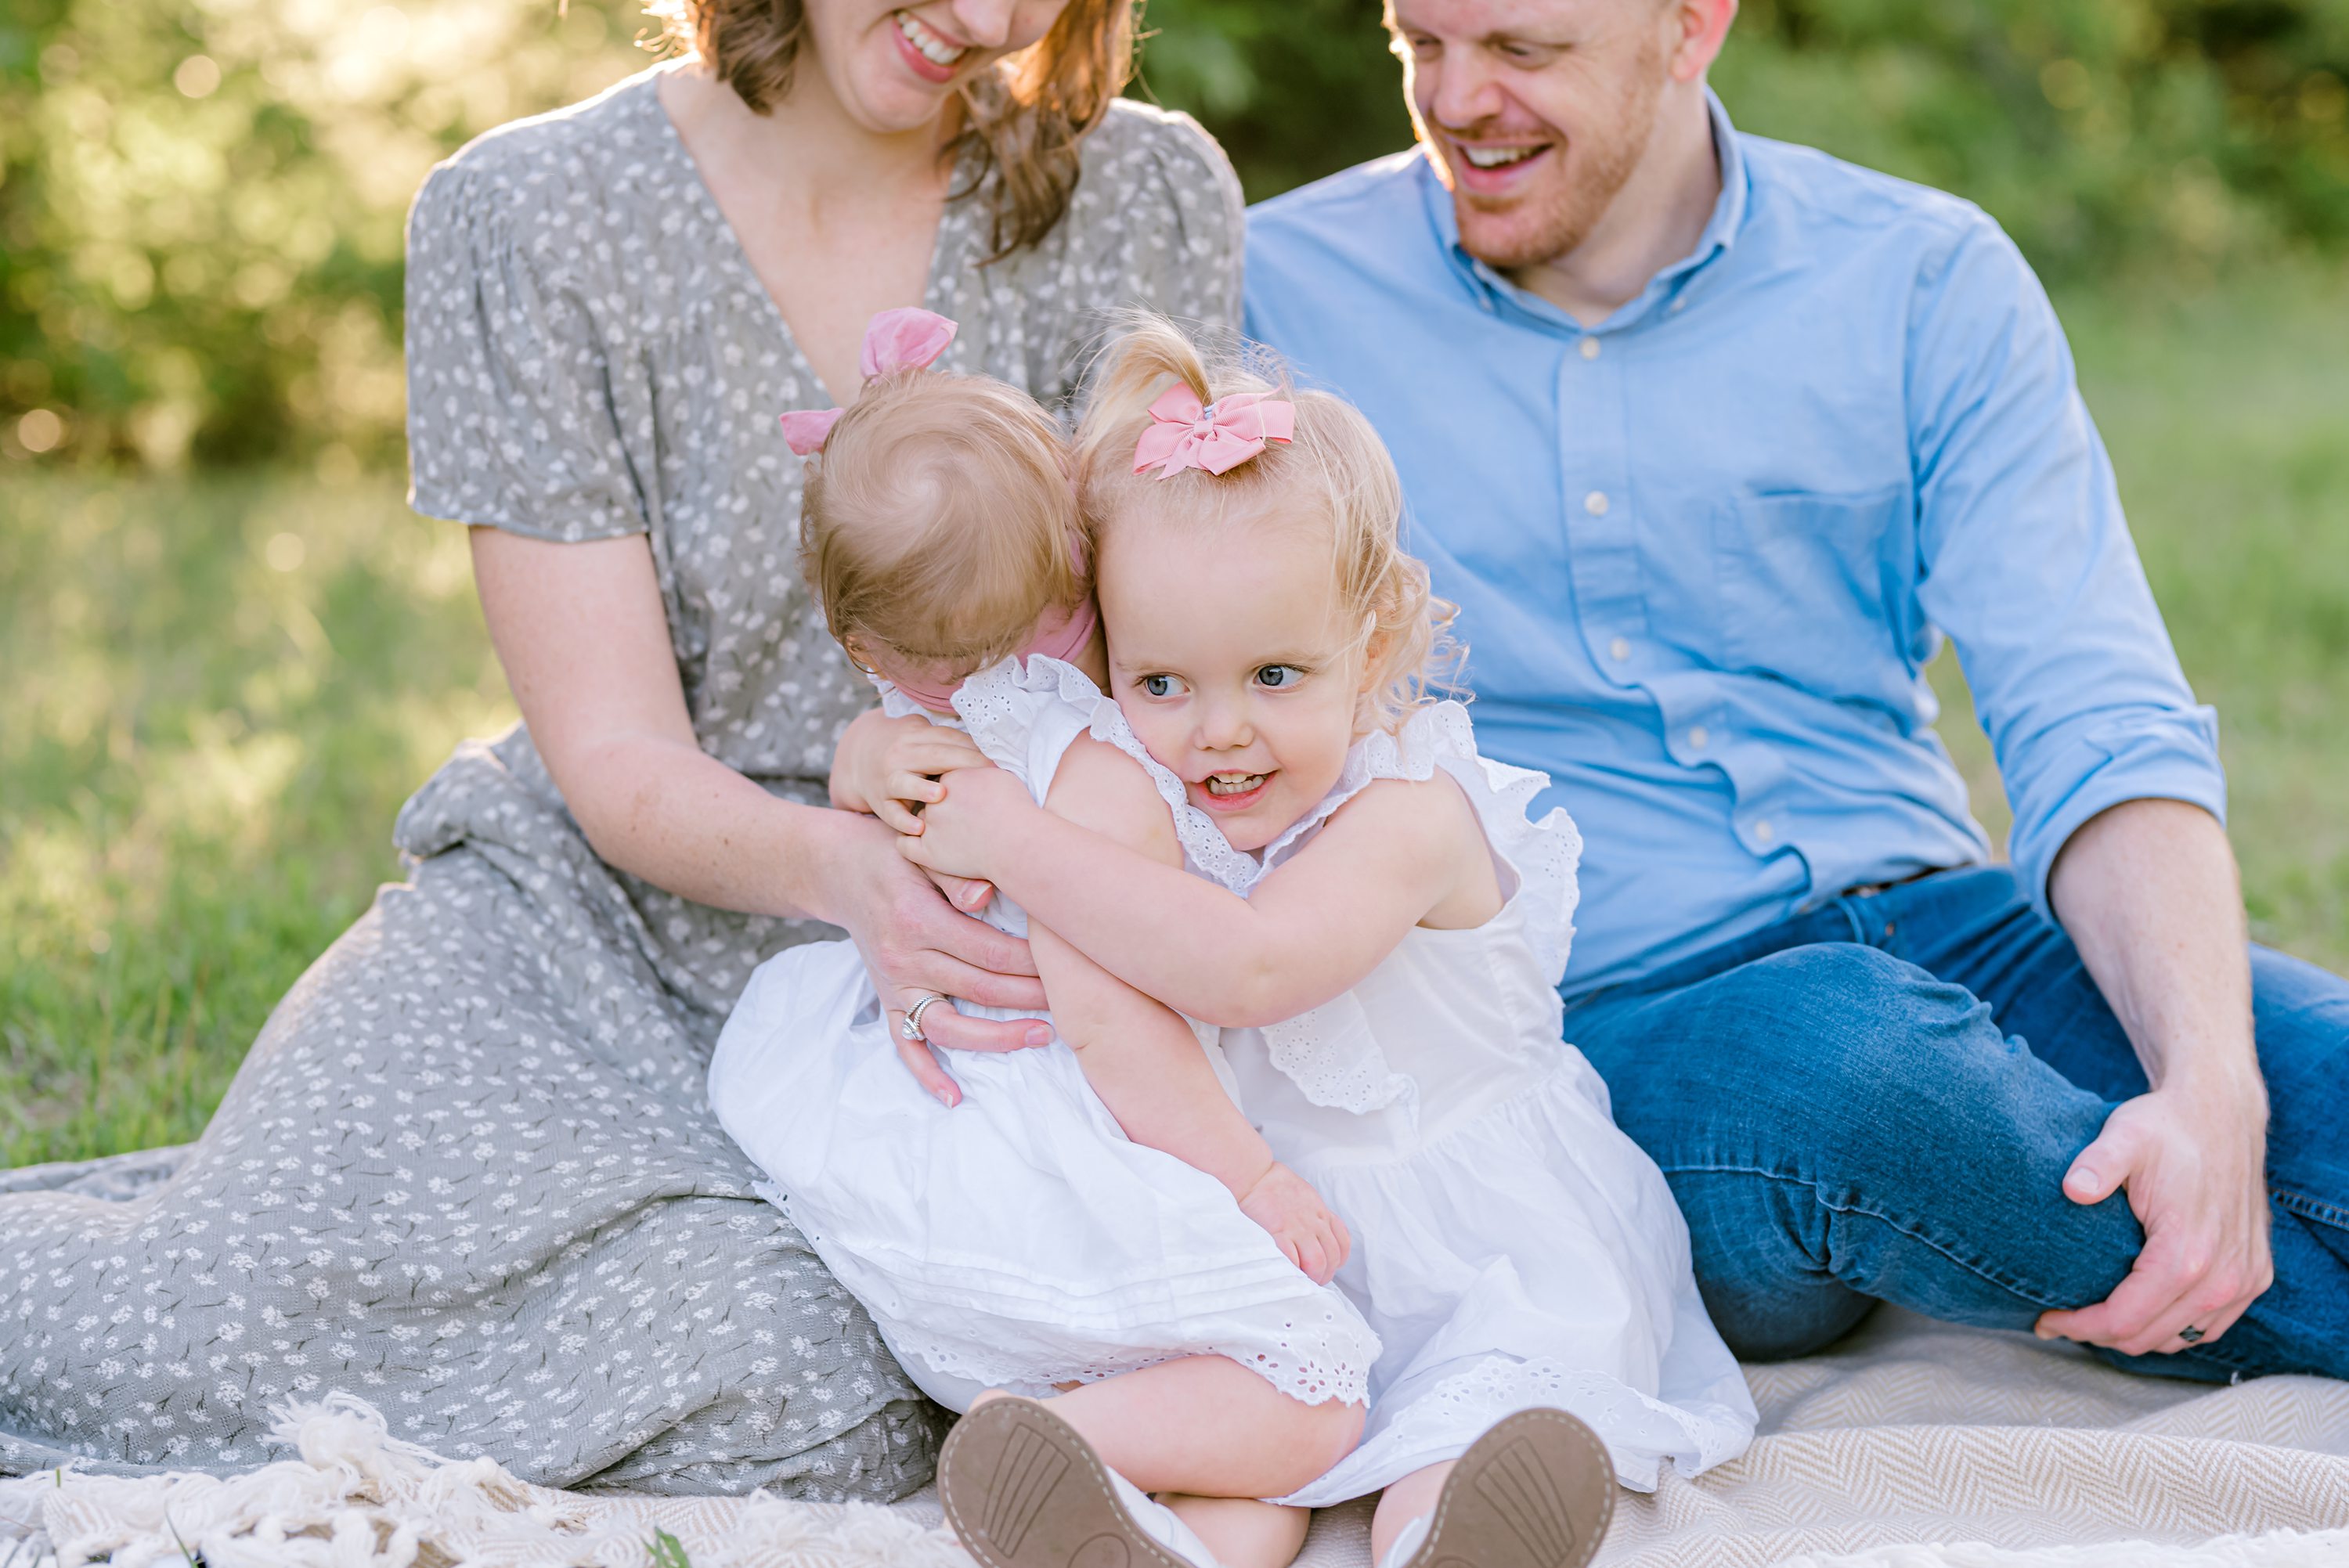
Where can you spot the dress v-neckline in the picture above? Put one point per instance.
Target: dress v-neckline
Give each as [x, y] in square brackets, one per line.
[947, 237]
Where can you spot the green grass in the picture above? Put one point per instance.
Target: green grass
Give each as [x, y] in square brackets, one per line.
[217, 693]
[205, 731]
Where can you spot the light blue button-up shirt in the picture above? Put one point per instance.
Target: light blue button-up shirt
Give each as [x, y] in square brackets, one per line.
[1705, 551]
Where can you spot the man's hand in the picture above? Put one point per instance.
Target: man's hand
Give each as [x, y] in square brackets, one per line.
[2149, 892]
[1308, 1232]
[2194, 1168]
[964, 832]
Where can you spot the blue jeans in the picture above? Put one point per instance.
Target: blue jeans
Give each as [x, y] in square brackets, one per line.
[1877, 1099]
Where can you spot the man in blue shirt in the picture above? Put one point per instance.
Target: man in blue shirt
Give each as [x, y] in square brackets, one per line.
[1712, 438]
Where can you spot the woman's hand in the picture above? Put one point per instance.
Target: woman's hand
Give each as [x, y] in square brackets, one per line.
[961, 833]
[917, 944]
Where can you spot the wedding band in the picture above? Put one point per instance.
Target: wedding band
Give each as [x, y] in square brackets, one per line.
[912, 1026]
[2191, 1334]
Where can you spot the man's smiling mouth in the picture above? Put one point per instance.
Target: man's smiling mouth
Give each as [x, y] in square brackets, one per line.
[1498, 157]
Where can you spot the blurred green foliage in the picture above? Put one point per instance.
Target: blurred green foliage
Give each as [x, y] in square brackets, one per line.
[201, 200]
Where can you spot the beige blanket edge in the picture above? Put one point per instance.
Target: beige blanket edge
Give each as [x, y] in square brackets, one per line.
[1913, 1445]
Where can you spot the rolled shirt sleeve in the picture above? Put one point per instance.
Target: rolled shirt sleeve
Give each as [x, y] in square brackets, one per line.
[2027, 562]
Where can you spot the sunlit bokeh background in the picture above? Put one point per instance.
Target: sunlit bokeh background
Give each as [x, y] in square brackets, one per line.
[227, 652]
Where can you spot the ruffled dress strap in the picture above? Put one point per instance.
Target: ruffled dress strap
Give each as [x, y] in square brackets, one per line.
[1333, 1053]
[895, 704]
[1542, 852]
[1024, 714]
[1205, 848]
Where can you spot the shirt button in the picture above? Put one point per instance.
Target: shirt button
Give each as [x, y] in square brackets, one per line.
[1699, 738]
[1594, 503]
[1589, 349]
[1678, 306]
[1620, 649]
[1764, 831]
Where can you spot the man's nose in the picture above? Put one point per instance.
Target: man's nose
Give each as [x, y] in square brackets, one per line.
[986, 24]
[1459, 91]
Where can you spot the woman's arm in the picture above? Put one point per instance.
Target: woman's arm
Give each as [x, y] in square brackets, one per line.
[1308, 932]
[1142, 1059]
[582, 633]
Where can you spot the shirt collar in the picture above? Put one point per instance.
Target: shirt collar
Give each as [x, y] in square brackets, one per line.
[1720, 234]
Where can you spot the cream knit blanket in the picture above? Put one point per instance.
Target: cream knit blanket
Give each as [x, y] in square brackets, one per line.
[1912, 1446]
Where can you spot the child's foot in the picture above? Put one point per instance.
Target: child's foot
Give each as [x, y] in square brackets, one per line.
[1023, 1489]
[1534, 1491]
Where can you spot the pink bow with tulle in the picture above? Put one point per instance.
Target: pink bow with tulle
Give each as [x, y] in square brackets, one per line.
[1216, 438]
[907, 339]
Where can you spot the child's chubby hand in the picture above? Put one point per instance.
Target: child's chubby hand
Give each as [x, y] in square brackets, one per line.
[892, 767]
[964, 828]
[1306, 1229]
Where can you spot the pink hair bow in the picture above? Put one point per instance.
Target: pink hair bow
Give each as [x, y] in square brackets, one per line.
[907, 339]
[1216, 438]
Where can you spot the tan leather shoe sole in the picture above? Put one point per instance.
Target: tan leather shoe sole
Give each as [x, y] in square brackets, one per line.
[1021, 1490]
[1536, 1491]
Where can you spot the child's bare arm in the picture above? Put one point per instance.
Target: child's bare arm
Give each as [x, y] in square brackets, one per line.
[1140, 1057]
[888, 768]
[1397, 854]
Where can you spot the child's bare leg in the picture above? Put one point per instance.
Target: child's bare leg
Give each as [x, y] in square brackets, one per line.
[1210, 1426]
[1413, 1497]
[1241, 1532]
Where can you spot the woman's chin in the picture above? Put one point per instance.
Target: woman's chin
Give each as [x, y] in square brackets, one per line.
[887, 99]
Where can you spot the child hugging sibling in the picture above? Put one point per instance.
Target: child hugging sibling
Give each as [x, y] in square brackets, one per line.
[1305, 1200]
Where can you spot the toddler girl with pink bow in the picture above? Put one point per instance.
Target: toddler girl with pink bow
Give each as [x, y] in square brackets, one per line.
[1246, 806]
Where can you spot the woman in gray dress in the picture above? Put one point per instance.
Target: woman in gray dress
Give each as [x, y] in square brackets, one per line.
[467, 1172]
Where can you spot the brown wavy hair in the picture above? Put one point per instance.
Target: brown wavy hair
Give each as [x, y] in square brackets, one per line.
[1023, 118]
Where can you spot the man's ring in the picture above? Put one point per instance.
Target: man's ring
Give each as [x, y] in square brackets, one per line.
[912, 1028]
[2191, 1334]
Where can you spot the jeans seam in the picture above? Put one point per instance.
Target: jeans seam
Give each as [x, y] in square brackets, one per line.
[2310, 1208]
[2036, 1298]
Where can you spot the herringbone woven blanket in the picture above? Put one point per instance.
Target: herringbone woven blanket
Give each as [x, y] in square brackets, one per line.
[1912, 1446]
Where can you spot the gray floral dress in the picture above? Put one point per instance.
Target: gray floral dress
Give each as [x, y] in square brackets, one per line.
[467, 1172]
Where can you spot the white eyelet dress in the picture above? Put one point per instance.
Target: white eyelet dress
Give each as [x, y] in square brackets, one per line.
[1019, 1241]
[1513, 1248]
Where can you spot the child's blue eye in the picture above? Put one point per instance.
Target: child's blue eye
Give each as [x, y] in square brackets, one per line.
[1158, 686]
[1278, 676]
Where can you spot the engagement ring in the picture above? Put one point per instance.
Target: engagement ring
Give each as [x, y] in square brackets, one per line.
[912, 1026]
[2191, 1333]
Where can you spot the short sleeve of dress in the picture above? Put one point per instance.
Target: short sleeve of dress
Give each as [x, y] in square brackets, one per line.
[511, 415]
[1157, 221]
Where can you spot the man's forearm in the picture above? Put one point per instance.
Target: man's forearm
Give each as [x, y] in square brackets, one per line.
[2150, 894]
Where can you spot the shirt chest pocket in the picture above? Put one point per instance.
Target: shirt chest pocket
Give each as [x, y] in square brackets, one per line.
[1816, 589]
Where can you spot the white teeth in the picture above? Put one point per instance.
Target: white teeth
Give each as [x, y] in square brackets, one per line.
[933, 48]
[1233, 783]
[1496, 157]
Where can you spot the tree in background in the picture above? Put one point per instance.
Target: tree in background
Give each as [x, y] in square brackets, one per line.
[201, 201]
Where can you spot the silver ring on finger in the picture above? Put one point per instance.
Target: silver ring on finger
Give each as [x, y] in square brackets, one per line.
[911, 1027]
[2191, 1334]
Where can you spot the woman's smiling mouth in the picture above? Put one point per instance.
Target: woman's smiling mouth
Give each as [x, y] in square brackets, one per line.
[922, 46]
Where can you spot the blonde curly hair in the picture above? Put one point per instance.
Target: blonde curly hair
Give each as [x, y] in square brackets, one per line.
[1335, 466]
